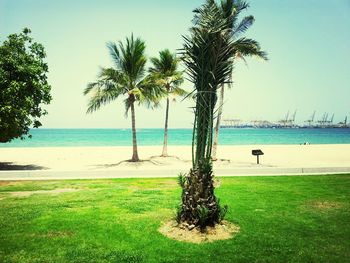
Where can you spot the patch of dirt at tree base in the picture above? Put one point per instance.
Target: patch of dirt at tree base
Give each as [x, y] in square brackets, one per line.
[222, 231]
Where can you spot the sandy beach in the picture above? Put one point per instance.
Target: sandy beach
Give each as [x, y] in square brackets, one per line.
[232, 160]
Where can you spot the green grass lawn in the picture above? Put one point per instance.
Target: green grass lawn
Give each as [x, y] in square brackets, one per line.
[282, 219]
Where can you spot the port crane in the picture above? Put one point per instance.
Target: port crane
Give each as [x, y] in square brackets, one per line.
[311, 120]
[323, 121]
[292, 120]
[330, 122]
[288, 122]
[284, 121]
[344, 124]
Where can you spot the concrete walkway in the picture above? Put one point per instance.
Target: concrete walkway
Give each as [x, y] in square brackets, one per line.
[159, 173]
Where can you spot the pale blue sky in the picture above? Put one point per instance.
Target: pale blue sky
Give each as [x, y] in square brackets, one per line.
[308, 44]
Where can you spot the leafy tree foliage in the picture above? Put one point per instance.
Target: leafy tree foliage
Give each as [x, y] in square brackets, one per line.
[23, 85]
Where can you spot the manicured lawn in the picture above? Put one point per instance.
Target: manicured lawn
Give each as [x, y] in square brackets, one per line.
[282, 219]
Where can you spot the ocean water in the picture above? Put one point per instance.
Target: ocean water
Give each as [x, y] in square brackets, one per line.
[122, 137]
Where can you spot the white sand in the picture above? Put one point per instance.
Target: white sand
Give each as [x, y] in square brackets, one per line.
[107, 158]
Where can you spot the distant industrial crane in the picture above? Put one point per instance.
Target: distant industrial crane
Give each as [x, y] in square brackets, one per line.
[344, 124]
[322, 123]
[292, 120]
[330, 122]
[311, 120]
[286, 122]
[287, 115]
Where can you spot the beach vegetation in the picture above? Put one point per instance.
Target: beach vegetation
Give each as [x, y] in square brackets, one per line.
[244, 47]
[281, 219]
[126, 79]
[24, 88]
[166, 74]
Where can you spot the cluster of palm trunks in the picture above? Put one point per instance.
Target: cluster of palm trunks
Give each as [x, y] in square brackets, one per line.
[208, 54]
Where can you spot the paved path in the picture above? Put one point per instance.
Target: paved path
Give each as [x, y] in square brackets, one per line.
[159, 173]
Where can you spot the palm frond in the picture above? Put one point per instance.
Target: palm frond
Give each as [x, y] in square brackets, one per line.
[133, 59]
[104, 94]
[151, 94]
[123, 79]
[114, 75]
[249, 47]
[164, 73]
[157, 65]
[109, 86]
[114, 52]
[236, 8]
[243, 26]
[177, 91]
[90, 87]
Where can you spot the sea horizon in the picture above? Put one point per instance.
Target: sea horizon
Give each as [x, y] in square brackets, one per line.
[80, 137]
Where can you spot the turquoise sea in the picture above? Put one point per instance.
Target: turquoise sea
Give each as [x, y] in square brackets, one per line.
[122, 137]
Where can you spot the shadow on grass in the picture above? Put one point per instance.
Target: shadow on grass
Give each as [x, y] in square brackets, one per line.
[10, 166]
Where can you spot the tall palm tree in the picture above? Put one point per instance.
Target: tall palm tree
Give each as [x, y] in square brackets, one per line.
[244, 47]
[126, 78]
[165, 74]
[208, 55]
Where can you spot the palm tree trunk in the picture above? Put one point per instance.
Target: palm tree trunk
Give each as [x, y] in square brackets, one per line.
[135, 156]
[217, 126]
[199, 206]
[165, 144]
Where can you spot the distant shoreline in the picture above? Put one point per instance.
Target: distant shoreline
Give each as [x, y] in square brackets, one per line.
[153, 137]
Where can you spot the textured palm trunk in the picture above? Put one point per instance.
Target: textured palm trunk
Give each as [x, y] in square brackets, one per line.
[200, 207]
[217, 125]
[199, 204]
[204, 112]
[135, 156]
[165, 144]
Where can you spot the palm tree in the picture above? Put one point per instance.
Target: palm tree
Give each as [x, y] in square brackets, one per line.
[244, 47]
[166, 75]
[127, 78]
[208, 55]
